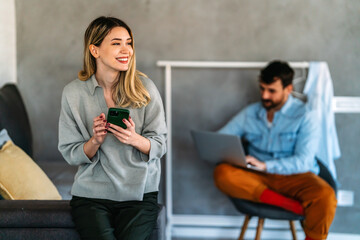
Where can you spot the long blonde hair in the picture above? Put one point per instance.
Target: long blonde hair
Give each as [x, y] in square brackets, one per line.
[128, 91]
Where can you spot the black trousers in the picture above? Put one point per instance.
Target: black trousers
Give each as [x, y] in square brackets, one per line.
[102, 219]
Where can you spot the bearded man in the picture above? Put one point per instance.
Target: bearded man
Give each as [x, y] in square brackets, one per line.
[282, 136]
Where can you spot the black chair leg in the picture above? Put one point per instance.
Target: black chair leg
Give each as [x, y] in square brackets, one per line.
[259, 228]
[293, 230]
[302, 224]
[244, 227]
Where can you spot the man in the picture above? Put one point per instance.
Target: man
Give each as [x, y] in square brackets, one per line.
[283, 138]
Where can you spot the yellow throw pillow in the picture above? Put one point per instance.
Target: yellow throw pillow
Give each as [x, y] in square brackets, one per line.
[21, 178]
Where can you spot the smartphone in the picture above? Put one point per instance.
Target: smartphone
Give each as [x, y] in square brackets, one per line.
[116, 116]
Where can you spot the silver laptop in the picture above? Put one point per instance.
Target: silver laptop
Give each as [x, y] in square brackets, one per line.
[216, 147]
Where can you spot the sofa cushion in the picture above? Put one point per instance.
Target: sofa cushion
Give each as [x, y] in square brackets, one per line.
[21, 177]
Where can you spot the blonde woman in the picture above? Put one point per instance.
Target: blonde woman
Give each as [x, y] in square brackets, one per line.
[116, 185]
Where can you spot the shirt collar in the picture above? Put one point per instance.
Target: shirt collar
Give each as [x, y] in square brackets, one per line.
[286, 109]
[92, 84]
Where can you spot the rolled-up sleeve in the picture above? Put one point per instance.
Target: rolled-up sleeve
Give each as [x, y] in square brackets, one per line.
[154, 127]
[71, 141]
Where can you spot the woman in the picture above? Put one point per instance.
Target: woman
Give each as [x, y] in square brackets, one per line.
[116, 185]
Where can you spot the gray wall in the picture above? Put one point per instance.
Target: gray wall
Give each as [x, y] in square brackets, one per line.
[7, 43]
[49, 54]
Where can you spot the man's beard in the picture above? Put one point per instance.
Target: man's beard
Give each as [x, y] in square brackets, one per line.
[270, 106]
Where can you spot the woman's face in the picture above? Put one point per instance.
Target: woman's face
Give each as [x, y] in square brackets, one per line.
[115, 51]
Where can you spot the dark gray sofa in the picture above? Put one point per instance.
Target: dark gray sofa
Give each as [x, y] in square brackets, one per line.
[41, 219]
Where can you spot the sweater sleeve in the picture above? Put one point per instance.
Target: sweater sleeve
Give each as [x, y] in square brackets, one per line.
[154, 127]
[71, 141]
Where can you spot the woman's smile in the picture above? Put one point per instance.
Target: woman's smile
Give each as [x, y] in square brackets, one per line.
[123, 60]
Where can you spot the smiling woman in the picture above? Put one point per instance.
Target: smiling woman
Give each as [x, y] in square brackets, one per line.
[114, 52]
[108, 44]
[116, 186]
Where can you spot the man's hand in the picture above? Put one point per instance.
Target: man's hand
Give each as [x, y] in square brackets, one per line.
[255, 162]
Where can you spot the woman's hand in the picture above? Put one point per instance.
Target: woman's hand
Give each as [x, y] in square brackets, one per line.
[126, 136]
[99, 134]
[99, 129]
[129, 136]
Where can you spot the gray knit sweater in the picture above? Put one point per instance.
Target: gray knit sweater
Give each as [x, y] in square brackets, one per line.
[118, 171]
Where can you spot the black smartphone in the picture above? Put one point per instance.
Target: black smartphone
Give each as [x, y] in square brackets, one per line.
[116, 116]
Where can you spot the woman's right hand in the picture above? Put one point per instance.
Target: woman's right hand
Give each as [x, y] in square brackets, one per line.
[99, 129]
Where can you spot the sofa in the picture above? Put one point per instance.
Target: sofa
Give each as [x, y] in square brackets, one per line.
[41, 219]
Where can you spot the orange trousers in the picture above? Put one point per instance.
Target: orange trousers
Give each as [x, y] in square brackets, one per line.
[315, 195]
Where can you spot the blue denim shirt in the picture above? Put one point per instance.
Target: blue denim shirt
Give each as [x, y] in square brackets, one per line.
[289, 145]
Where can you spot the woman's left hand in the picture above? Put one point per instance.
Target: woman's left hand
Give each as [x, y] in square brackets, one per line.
[126, 136]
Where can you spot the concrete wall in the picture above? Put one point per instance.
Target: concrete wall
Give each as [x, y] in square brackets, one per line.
[7, 42]
[49, 53]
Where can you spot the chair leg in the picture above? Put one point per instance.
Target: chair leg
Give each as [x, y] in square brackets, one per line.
[259, 228]
[293, 230]
[244, 227]
[302, 224]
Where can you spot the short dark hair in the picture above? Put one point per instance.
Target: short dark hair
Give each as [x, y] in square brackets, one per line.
[277, 69]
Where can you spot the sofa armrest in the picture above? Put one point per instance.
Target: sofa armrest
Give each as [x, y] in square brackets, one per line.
[14, 117]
